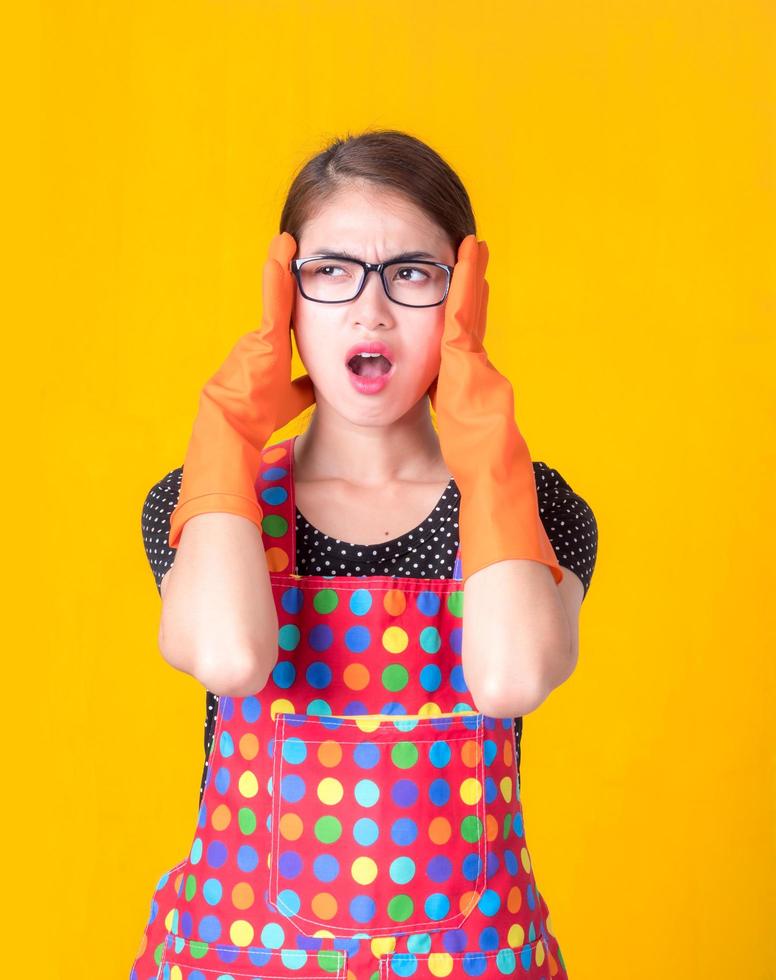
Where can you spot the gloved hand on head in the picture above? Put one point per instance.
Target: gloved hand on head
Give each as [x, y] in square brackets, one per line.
[478, 435]
[247, 399]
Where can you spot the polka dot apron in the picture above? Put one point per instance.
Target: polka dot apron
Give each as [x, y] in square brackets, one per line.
[361, 819]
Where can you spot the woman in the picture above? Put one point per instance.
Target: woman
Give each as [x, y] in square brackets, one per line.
[360, 806]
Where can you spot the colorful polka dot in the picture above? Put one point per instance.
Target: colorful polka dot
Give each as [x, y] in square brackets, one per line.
[358, 797]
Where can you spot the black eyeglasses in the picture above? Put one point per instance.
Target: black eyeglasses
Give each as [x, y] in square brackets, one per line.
[330, 279]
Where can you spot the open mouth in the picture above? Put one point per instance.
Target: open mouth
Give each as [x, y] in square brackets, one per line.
[369, 365]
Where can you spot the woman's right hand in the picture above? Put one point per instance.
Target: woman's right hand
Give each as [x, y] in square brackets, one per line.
[219, 621]
[247, 399]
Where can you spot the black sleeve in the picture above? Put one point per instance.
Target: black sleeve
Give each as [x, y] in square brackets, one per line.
[569, 522]
[155, 521]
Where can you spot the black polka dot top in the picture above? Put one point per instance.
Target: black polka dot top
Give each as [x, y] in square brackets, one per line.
[429, 549]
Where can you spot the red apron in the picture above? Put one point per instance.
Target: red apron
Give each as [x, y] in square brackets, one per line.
[361, 819]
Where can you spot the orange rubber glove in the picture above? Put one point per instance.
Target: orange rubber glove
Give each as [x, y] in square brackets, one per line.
[246, 400]
[479, 438]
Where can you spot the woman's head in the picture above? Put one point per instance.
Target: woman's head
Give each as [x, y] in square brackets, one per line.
[374, 196]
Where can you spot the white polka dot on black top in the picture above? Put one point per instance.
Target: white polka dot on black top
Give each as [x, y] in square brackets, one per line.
[427, 550]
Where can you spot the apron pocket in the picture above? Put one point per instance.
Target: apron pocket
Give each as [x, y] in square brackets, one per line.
[528, 962]
[378, 822]
[191, 960]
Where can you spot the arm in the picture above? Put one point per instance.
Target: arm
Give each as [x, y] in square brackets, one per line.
[524, 641]
[218, 621]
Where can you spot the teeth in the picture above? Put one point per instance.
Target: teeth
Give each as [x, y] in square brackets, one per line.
[365, 354]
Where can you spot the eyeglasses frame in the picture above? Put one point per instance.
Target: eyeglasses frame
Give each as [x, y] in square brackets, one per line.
[296, 265]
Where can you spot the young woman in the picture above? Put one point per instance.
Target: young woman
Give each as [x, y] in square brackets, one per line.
[360, 811]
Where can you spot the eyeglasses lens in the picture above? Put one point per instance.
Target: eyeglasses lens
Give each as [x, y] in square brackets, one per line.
[413, 283]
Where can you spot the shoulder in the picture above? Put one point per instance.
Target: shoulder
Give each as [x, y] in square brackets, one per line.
[162, 495]
[555, 494]
[569, 522]
[550, 480]
[158, 505]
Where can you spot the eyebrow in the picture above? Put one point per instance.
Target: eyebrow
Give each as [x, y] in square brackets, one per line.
[401, 257]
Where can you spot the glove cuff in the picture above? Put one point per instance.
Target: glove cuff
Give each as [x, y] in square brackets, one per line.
[209, 503]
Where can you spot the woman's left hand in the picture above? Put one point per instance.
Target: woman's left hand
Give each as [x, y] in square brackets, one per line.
[479, 437]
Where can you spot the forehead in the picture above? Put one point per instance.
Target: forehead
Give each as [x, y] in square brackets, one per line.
[361, 220]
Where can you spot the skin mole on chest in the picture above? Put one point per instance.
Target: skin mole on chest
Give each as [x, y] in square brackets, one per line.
[358, 515]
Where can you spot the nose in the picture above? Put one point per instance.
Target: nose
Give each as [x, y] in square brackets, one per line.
[373, 304]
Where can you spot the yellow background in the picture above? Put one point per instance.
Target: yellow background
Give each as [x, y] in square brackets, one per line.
[620, 161]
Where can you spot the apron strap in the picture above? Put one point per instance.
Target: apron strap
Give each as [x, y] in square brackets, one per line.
[457, 567]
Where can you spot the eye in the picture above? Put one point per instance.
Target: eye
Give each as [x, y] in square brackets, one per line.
[404, 271]
[319, 270]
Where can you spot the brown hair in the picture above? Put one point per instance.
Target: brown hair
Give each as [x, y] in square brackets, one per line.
[386, 158]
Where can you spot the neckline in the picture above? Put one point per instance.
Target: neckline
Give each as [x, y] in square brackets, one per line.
[292, 522]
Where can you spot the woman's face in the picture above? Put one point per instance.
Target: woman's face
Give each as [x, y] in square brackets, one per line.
[375, 226]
